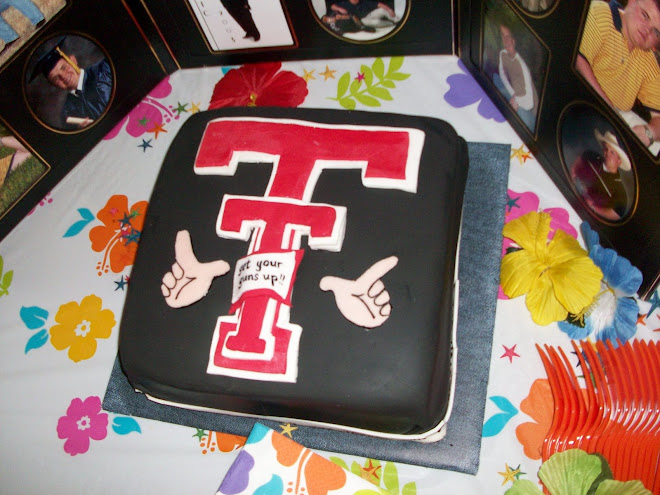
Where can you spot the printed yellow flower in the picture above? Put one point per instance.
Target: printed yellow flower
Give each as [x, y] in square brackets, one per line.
[80, 326]
[557, 276]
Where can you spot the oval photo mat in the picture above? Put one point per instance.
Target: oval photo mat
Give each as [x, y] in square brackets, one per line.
[537, 8]
[375, 25]
[46, 102]
[581, 131]
[529, 47]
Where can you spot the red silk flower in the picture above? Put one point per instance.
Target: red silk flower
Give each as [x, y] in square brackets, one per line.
[262, 85]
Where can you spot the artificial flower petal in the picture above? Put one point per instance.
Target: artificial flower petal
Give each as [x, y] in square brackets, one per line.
[558, 276]
[530, 231]
[518, 272]
[613, 487]
[523, 487]
[574, 331]
[571, 472]
[563, 249]
[542, 303]
[613, 313]
[623, 324]
[576, 283]
[621, 274]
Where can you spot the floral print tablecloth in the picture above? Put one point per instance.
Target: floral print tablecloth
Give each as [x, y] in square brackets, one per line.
[65, 269]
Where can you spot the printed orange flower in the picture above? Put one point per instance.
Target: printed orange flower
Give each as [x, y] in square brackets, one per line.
[120, 233]
[259, 85]
[320, 475]
[79, 325]
[539, 405]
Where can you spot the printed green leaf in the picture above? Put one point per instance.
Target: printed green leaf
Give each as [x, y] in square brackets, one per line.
[6, 280]
[376, 87]
[367, 100]
[379, 92]
[368, 75]
[342, 85]
[347, 103]
[378, 67]
[395, 65]
[391, 478]
[398, 76]
[409, 489]
[1, 264]
[367, 492]
[356, 469]
[355, 86]
[339, 461]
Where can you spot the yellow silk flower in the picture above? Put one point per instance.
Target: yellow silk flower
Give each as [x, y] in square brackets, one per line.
[557, 276]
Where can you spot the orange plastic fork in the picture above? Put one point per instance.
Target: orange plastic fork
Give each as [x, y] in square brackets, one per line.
[604, 398]
[643, 434]
[558, 398]
[617, 414]
[577, 407]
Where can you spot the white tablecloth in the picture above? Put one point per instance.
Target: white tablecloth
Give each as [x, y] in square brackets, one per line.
[54, 266]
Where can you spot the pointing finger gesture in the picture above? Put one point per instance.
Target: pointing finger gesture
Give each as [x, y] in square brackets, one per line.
[189, 279]
[363, 301]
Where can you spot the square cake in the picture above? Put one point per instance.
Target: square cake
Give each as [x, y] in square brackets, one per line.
[300, 265]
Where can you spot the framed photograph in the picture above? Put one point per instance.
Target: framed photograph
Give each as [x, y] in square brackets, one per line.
[515, 61]
[22, 19]
[71, 81]
[617, 57]
[242, 24]
[597, 163]
[230, 32]
[361, 21]
[592, 145]
[20, 170]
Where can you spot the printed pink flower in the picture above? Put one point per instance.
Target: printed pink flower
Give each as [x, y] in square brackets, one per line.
[83, 420]
[147, 114]
[519, 204]
[259, 85]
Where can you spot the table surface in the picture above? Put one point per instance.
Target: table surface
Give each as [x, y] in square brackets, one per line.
[55, 267]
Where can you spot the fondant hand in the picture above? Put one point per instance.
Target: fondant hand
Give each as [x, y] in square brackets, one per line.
[189, 279]
[364, 301]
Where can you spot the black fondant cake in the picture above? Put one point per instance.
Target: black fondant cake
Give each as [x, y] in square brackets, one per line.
[300, 264]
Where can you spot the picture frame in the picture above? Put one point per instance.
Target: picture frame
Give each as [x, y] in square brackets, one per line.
[167, 36]
[566, 102]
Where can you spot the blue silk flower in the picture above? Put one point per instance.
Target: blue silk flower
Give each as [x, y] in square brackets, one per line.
[613, 314]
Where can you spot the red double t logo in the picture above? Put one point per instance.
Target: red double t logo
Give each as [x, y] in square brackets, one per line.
[257, 340]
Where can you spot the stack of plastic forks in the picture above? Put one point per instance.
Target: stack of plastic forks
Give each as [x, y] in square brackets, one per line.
[617, 414]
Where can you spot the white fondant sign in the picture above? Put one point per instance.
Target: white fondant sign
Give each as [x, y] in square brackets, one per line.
[264, 271]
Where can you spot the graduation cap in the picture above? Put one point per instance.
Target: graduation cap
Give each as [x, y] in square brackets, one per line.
[48, 60]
